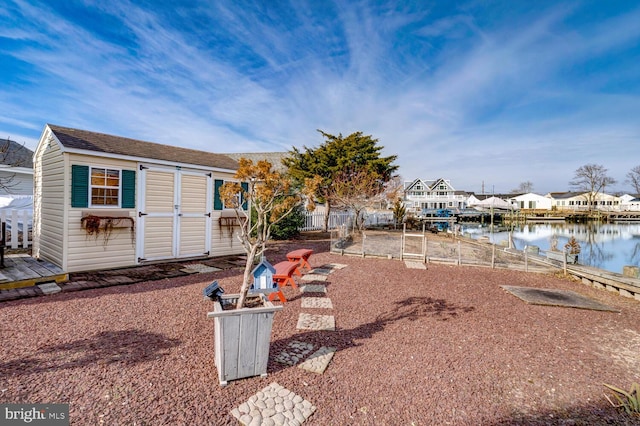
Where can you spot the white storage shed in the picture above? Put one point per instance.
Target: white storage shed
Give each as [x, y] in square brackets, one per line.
[104, 201]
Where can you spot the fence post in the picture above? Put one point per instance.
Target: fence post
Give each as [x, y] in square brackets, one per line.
[526, 259]
[493, 255]
[564, 261]
[459, 254]
[14, 228]
[426, 249]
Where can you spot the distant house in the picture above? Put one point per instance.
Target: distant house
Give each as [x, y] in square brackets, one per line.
[16, 169]
[630, 202]
[531, 201]
[579, 201]
[423, 195]
[148, 201]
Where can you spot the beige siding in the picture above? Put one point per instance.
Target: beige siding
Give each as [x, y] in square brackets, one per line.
[224, 240]
[191, 235]
[87, 252]
[193, 191]
[159, 222]
[193, 222]
[49, 201]
[158, 237]
[159, 192]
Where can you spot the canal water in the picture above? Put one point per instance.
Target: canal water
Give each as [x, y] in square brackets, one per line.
[603, 245]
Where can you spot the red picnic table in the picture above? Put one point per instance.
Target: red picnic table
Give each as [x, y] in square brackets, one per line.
[284, 273]
[300, 256]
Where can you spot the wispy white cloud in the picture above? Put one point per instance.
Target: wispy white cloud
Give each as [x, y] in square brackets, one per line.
[529, 98]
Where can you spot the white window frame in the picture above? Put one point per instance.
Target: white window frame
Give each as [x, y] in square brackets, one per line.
[118, 188]
[238, 196]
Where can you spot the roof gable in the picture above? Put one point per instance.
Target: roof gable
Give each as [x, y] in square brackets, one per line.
[437, 182]
[411, 185]
[84, 140]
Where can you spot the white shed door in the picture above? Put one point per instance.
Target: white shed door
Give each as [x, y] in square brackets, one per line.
[174, 215]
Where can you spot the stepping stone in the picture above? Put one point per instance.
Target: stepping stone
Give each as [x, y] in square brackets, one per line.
[314, 288]
[50, 288]
[316, 322]
[321, 271]
[314, 277]
[316, 302]
[412, 264]
[319, 361]
[119, 279]
[334, 265]
[296, 351]
[199, 268]
[274, 405]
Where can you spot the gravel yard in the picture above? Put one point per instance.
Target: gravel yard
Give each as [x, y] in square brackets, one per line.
[446, 345]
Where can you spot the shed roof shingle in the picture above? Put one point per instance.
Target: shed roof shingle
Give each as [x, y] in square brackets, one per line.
[275, 158]
[117, 145]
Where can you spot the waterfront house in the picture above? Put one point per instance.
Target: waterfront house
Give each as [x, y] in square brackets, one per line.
[531, 201]
[579, 201]
[630, 203]
[422, 195]
[104, 201]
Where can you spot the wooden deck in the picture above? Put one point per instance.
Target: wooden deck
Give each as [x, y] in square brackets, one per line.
[22, 270]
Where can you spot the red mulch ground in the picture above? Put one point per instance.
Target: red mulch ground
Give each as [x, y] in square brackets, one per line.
[441, 346]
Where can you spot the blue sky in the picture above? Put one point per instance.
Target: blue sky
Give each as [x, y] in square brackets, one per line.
[476, 92]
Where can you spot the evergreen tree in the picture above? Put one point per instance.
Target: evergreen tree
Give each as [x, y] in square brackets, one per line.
[336, 155]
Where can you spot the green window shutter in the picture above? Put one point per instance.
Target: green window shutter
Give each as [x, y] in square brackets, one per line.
[217, 202]
[79, 186]
[245, 188]
[128, 189]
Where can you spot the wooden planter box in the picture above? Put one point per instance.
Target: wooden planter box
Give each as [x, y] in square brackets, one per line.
[242, 338]
[559, 256]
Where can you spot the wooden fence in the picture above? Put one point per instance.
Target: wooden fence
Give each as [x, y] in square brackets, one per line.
[19, 221]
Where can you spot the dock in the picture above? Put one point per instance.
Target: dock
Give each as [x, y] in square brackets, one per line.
[22, 270]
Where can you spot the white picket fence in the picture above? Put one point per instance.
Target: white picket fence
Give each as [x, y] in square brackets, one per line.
[314, 220]
[22, 219]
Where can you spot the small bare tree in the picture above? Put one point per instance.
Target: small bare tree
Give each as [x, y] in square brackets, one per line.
[591, 179]
[9, 158]
[633, 178]
[269, 193]
[523, 188]
[360, 189]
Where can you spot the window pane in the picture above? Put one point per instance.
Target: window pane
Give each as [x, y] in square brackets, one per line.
[97, 176]
[97, 196]
[113, 178]
[111, 201]
[105, 187]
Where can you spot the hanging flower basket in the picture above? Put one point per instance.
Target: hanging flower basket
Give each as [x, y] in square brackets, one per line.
[94, 225]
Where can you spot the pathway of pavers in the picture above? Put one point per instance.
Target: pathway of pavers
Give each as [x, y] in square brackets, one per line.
[199, 268]
[319, 360]
[276, 405]
[414, 264]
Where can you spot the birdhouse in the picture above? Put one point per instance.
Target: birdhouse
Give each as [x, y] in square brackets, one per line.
[263, 277]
